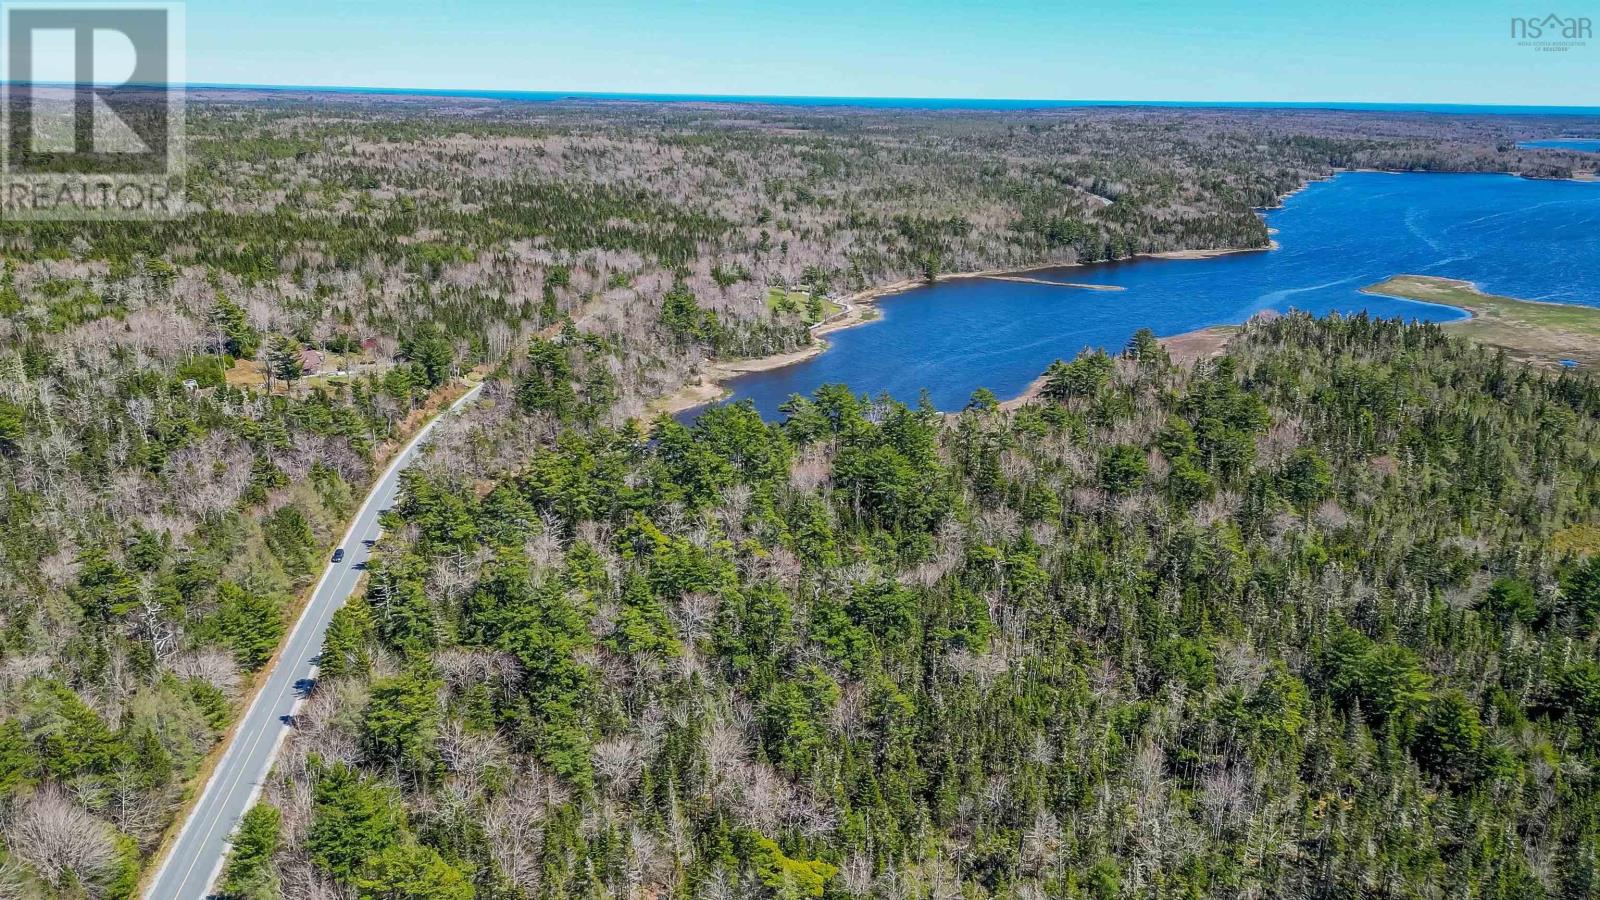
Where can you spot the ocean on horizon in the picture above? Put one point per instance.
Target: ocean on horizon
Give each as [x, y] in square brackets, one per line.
[909, 103]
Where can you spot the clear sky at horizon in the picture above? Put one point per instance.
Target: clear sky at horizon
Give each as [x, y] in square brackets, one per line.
[1288, 51]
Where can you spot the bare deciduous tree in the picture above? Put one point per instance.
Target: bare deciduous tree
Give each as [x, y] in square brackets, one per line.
[57, 837]
[514, 825]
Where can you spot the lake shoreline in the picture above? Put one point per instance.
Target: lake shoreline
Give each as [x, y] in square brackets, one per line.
[714, 376]
[1575, 178]
[711, 386]
[1185, 349]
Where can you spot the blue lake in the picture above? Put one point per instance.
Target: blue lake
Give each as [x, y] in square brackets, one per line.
[1538, 240]
[1581, 145]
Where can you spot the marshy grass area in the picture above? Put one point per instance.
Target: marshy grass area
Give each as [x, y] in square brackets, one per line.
[1544, 334]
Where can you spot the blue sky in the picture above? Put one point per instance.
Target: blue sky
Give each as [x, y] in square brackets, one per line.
[1457, 51]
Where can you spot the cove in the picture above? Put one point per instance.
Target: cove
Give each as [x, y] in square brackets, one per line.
[1531, 239]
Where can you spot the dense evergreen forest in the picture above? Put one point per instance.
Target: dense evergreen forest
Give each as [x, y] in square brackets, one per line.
[1315, 619]
[1171, 632]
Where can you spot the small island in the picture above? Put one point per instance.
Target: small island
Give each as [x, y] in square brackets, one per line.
[1544, 334]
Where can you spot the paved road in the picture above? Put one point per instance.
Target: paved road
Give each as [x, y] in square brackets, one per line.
[196, 858]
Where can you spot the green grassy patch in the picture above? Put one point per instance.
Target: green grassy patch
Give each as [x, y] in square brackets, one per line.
[781, 302]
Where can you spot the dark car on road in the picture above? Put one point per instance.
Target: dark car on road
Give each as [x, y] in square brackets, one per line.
[338, 555]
